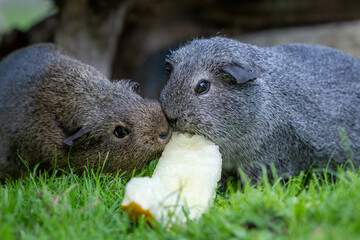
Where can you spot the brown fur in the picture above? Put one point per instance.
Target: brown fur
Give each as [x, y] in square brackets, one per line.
[50, 101]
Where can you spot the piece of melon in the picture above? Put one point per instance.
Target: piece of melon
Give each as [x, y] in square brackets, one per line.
[183, 184]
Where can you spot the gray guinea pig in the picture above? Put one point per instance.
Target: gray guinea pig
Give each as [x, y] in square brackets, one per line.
[57, 111]
[282, 104]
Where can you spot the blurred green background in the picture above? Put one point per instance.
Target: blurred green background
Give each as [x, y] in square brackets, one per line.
[22, 14]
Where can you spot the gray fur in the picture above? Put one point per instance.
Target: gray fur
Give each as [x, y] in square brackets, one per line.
[289, 115]
[48, 101]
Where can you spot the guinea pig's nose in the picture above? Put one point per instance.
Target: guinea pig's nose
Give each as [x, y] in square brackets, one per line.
[164, 136]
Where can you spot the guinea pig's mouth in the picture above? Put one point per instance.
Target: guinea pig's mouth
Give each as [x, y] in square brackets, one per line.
[185, 127]
[158, 155]
[180, 126]
[154, 156]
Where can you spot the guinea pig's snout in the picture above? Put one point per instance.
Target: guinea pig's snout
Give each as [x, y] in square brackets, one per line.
[160, 129]
[164, 135]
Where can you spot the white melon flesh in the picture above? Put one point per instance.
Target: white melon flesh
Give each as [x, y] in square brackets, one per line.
[185, 177]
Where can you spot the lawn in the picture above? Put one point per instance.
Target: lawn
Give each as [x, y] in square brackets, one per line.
[308, 206]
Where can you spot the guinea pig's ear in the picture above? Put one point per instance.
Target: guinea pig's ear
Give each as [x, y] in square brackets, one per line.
[237, 73]
[70, 141]
[168, 66]
[135, 87]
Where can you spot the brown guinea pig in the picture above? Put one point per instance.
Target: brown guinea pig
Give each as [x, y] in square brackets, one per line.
[59, 112]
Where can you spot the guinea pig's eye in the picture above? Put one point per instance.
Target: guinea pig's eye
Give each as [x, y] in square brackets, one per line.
[121, 131]
[202, 87]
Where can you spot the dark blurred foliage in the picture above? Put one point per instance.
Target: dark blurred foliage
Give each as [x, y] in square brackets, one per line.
[130, 38]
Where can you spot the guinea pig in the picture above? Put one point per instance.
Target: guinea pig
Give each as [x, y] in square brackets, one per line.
[282, 105]
[56, 111]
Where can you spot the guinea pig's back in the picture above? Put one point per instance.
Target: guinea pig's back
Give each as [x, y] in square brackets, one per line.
[20, 71]
[321, 87]
[20, 75]
[25, 63]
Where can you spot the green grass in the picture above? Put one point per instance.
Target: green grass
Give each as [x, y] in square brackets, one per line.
[45, 206]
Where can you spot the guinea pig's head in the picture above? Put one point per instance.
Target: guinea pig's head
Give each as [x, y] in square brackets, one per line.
[120, 128]
[210, 87]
